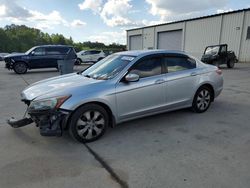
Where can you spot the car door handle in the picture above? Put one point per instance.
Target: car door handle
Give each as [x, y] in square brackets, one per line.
[160, 81]
[193, 74]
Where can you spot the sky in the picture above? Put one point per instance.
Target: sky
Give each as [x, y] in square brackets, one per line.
[106, 20]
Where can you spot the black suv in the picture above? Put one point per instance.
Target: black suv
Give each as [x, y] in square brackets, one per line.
[45, 56]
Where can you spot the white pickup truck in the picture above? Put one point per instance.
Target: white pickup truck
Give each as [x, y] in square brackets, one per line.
[90, 56]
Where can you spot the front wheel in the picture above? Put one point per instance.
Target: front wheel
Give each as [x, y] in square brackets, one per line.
[20, 68]
[230, 63]
[88, 123]
[202, 100]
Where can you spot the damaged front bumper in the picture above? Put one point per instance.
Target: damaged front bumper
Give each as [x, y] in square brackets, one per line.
[50, 122]
[19, 123]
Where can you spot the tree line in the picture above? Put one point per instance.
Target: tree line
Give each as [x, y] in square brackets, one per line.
[20, 38]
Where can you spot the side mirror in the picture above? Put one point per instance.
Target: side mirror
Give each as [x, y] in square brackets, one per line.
[132, 77]
[32, 53]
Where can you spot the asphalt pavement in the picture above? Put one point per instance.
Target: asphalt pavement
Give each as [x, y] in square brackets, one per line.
[176, 149]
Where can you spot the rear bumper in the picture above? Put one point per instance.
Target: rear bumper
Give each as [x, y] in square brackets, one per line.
[218, 92]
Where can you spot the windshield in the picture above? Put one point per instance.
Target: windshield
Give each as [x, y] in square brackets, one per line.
[109, 67]
[212, 50]
[30, 50]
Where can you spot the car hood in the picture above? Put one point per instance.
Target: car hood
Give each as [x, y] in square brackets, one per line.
[57, 86]
[15, 55]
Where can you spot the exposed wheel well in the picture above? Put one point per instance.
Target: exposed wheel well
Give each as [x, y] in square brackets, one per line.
[106, 107]
[209, 86]
[22, 62]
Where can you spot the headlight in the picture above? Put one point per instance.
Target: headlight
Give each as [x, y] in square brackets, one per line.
[48, 104]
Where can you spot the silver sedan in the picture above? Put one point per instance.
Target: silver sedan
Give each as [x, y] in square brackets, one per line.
[121, 87]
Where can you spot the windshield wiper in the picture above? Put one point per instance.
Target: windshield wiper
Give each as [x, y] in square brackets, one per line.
[80, 72]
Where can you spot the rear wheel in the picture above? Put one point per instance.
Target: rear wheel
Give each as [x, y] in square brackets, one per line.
[88, 123]
[20, 68]
[202, 99]
[230, 63]
[78, 61]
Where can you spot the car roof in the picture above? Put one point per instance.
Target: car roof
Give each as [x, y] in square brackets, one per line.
[93, 50]
[50, 46]
[151, 52]
[89, 50]
[217, 45]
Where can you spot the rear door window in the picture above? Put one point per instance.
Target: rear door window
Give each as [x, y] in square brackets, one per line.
[175, 64]
[57, 51]
[87, 53]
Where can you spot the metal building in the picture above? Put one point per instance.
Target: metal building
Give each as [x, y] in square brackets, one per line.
[193, 35]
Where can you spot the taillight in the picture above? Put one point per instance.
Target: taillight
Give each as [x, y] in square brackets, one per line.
[219, 72]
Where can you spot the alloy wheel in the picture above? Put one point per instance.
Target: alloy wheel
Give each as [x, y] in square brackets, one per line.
[90, 125]
[20, 68]
[203, 100]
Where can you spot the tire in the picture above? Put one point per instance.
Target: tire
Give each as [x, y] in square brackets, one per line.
[202, 99]
[230, 63]
[20, 68]
[78, 61]
[83, 126]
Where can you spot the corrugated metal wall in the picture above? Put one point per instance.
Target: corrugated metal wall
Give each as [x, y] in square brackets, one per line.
[231, 31]
[148, 38]
[199, 33]
[245, 43]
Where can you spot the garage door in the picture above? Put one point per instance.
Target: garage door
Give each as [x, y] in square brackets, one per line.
[135, 42]
[170, 40]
